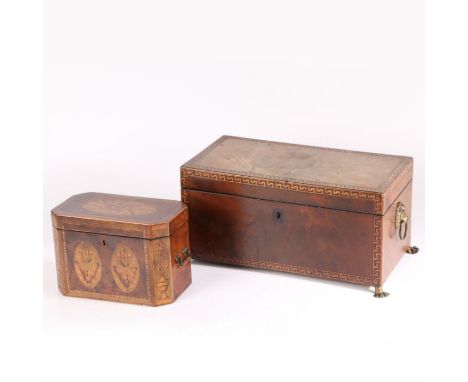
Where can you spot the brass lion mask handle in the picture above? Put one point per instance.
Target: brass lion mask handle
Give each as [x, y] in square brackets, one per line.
[401, 221]
[181, 260]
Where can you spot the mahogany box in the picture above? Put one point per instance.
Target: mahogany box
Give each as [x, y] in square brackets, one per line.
[334, 214]
[122, 248]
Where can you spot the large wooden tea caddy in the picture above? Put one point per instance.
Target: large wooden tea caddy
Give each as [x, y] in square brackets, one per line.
[334, 214]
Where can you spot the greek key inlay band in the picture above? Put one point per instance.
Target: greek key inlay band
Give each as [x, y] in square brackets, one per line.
[283, 185]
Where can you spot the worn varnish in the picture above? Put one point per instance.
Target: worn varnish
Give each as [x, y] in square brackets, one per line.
[307, 210]
[122, 248]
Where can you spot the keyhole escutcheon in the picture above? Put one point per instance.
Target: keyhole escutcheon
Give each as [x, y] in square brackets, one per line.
[278, 215]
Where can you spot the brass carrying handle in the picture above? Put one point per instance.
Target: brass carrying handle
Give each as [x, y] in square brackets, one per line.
[401, 221]
[181, 260]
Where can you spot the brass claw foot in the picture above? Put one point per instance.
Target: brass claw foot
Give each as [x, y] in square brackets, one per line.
[379, 293]
[413, 250]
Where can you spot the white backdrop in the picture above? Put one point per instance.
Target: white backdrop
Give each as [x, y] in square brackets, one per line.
[133, 89]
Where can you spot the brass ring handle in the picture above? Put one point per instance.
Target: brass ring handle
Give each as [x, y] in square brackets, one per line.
[401, 220]
[181, 260]
[405, 223]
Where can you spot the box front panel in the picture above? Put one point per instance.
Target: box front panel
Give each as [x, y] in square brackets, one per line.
[313, 241]
[106, 267]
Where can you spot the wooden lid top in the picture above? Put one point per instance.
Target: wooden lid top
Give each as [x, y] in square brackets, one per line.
[300, 165]
[305, 164]
[120, 215]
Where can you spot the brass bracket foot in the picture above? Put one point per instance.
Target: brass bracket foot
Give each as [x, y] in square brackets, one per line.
[412, 250]
[379, 293]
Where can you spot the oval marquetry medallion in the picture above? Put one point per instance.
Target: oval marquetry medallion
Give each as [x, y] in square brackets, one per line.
[88, 266]
[125, 268]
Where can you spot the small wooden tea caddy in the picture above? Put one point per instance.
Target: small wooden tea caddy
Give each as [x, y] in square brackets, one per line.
[122, 248]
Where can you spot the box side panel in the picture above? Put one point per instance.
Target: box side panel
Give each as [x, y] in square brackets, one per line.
[179, 220]
[161, 268]
[60, 261]
[393, 247]
[106, 267]
[397, 186]
[181, 274]
[319, 242]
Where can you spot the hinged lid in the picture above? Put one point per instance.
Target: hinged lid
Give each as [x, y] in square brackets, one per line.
[316, 176]
[120, 215]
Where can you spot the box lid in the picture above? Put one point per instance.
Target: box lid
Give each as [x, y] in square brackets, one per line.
[316, 176]
[120, 215]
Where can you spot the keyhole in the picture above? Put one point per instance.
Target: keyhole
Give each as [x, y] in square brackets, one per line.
[103, 242]
[278, 215]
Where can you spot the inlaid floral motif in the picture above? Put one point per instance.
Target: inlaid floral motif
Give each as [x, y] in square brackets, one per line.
[125, 268]
[87, 264]
[119, 207]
